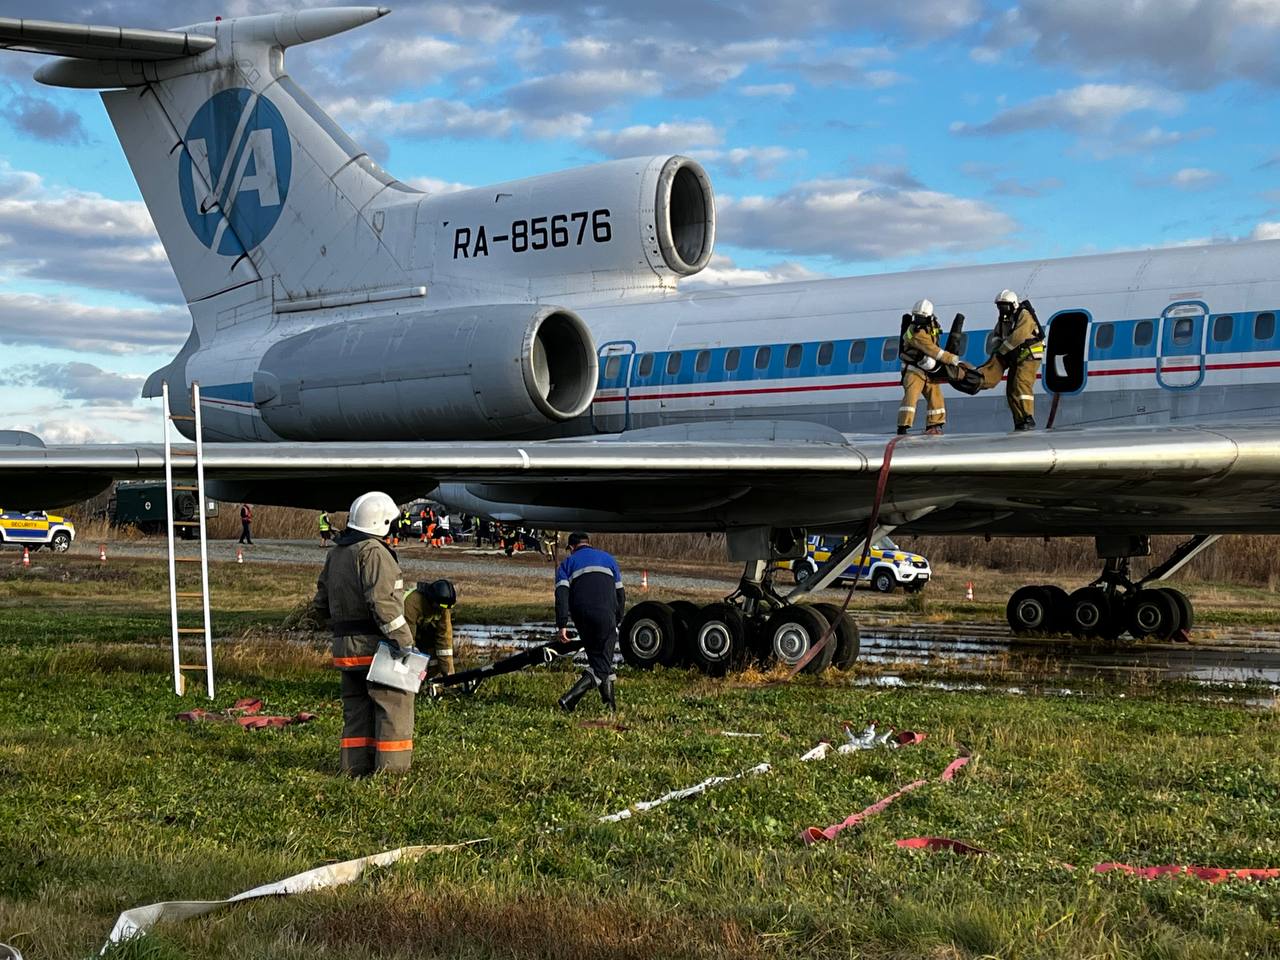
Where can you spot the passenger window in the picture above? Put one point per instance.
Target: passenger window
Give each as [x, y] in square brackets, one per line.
[762, 357]
[673, 363]
[1104, 335]
[1264, 326]
[890, 349]
[1182, 328]
[646, 365]
[731, 360]
[1143, 333]
[857, 351]
[1223, 327]
[825, 353]
[794, 353]
[611, 368]
[703, 362]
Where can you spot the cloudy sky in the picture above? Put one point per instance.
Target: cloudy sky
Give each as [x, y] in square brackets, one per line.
[843, 137]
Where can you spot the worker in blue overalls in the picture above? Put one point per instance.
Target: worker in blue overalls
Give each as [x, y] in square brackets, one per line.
[589, 591]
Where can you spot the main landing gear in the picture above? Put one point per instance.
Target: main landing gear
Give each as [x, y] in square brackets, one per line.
[754, 624]
[1113, 604]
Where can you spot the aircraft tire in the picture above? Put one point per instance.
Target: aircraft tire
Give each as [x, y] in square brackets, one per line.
[1090, 615]
[848, 639]
[719, 639]
[1031, 610]
[1186, 612]
[648, 636]
[790, 633]
[1153, 613]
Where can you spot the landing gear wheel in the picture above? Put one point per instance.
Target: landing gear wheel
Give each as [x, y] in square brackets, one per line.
[802, 570]
[648, 636]
[1153, 613]
[883, 581]
[848, 639]
[790, 633]
[1090, 613]
[1186, 612]
[1030, 610]
[719, 639]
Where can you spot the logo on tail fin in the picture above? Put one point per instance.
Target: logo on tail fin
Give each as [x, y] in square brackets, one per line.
[233, 176]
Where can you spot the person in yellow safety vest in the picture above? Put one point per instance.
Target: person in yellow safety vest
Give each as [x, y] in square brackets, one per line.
[428, 608]
[922, 356]
[360, 595]
[326, 528]
[1018, 352]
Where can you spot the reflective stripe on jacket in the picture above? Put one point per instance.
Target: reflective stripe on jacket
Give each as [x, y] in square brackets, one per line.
[360, 592]
[589, 585]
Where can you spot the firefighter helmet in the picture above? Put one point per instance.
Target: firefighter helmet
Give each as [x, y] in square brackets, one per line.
[440, 592]
[1007, 296]
[923, 308]
[373, 513]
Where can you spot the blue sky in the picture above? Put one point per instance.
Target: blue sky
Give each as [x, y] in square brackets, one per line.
[842, 136]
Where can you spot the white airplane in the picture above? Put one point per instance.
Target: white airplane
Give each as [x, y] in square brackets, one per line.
[526, 347]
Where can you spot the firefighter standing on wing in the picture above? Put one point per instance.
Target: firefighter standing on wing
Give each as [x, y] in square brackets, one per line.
[589, 590]
[360, 594]
[428, 608]
[922, 356]
[1018, 352]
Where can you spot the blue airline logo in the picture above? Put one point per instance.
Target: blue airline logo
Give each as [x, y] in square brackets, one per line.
[233, 177]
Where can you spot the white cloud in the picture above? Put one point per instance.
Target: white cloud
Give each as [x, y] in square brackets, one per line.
[1269, 230]
[723, 272]
[1090, 108]
[1193, 178]
[431, 118]
[780, 90]
[679, 136]
[848, 66]
[759, 162]
[858, 220]
[434, 185]
[58, 431]
[580, 91]
[34, 320]
[78, 380]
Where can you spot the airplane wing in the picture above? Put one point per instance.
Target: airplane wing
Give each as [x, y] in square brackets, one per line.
[1134, 479]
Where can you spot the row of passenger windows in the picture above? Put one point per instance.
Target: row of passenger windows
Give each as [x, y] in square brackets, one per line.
[1144, 331]
[758, 358]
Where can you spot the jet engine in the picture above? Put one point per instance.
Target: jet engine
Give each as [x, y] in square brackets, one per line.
[606, 222]
[475, 372]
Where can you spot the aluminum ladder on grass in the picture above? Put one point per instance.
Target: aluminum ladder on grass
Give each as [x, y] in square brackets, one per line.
[195, 467]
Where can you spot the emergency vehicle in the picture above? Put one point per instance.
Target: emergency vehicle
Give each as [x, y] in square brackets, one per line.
[36, 529]
[888, 565]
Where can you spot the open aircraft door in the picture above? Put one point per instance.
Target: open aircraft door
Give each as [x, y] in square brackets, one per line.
[1180, 348]
[612, 414]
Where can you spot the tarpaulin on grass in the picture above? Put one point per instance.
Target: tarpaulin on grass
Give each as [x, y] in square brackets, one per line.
[136, 922]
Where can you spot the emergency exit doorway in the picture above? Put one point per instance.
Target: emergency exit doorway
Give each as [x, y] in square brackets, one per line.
[1180, 348]
[612, 414]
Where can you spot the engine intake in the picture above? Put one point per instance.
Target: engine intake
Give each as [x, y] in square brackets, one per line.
[476, 372]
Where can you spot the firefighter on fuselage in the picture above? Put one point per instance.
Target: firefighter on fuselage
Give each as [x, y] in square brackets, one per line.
[1019, 348]
[923, 358]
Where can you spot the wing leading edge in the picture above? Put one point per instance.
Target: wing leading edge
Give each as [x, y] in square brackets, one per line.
[1144, 479]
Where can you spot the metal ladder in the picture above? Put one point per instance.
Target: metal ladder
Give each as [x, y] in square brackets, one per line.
[195, 467]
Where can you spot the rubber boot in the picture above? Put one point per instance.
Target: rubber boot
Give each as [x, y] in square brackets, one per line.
[903, 431]
[1028, 424]
[607, 697]
[576, 693]
[934, 431]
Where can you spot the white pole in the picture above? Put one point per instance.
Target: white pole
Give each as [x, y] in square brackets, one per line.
[204, 546]
[168, 518]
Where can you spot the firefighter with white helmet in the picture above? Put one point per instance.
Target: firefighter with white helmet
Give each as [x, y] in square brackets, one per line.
[1019, 349]
[360, 594]
[923, 359]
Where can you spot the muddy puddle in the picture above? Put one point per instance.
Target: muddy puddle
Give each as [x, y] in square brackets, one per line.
[908, 655]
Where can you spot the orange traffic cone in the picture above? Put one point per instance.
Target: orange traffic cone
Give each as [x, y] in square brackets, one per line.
[644, 579]
[239, 555]
[968, 591]
[26, 558]
[102, 552]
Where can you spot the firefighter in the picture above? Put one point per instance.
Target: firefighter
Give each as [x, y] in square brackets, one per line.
[428, 608]
[1019, 350]
[922, 358]
[360, 595]
[589, 590]
[326, 528]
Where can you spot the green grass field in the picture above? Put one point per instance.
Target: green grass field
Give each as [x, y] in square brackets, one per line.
[106, 802]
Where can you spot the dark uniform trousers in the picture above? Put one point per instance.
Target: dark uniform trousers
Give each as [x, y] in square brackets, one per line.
[599, 636]
[377, 721]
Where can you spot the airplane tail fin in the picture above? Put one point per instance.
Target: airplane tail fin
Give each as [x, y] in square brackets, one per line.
[245, 176]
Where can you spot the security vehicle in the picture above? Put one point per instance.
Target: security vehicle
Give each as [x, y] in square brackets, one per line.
[35, 529]
[887, 566]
